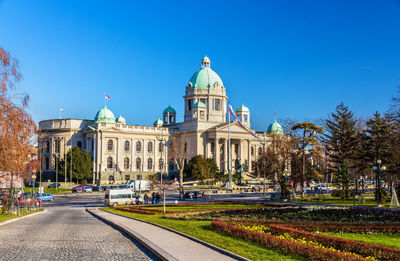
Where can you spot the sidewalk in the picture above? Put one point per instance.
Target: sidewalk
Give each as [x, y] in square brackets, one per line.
[169, 245]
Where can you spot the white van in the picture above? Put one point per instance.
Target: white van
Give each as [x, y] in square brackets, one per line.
[115, 197]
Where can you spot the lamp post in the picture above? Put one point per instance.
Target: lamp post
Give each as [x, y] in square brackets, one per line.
[33, 193]
[264, 163]
[378, 169]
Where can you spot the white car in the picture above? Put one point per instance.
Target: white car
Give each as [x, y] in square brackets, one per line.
[86, 189]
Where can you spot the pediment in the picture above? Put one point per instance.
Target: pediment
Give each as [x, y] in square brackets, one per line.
[235, 127]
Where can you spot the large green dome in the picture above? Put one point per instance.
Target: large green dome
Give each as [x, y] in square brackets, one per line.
[275, 128]
[104, 116]
[205, 78]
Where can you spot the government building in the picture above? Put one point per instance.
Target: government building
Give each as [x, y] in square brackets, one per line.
[122, 152]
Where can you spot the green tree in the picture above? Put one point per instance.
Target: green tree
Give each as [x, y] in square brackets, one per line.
[343, 179]
[340, 139]
[201, 168]
[82, 165]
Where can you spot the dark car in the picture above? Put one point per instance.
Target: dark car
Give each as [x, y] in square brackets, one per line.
[104, 188]
[193, 194]
[54, 185]
[96, 188]
[113, 187]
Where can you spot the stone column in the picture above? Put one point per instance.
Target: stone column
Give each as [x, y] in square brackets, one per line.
[216, 151]
[249, 156]
[132, 156]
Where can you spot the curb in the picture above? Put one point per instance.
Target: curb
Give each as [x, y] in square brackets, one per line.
[153, 248]
[19, 218]
[218, 249]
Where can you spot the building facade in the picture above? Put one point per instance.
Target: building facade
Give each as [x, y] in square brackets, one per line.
[122, 152]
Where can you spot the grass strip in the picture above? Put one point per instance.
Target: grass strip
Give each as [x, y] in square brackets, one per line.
[5, 216]
[378, 239]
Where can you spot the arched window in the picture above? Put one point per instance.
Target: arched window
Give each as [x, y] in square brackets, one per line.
[138, 164]
[47, 146]
[79, 144]
[127, 145]
[185, 147]
[110, 145]
[150, 163]
[252, 151]
[160, 149]
[109, 162]
[161, 164]
[236, 148]
[138, 146]
[126, 163]
[47, 163]
[92, 145]
[260, 150]
[150, 146]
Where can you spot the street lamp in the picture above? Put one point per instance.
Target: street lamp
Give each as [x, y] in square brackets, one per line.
[264, 163]
[378, 169]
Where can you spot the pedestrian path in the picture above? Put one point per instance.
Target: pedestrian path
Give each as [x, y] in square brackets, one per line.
[175, 246]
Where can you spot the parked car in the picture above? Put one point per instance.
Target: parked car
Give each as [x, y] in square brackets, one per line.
[24, 201]
[45, 197]
[54, 185]
[321, 188]
[77, 189]
[193, 194]
[123, 186]
[86, 188]
[97, 188]
[113, 187]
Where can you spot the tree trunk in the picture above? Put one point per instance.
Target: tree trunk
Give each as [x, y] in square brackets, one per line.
[181, 191]
[302, 177]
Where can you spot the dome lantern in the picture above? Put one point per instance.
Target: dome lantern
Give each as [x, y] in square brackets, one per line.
[205, 62]
[275, 128]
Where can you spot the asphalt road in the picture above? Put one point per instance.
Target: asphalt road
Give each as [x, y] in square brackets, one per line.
[67, 232]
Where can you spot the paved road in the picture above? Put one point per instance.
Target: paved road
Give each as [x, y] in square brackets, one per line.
[67, 235]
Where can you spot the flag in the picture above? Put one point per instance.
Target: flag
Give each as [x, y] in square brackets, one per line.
[61, 108]
[107, 97]
[237, 120]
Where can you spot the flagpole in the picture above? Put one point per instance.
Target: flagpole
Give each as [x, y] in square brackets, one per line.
[229, 147]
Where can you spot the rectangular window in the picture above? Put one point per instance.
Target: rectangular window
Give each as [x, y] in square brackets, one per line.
[189, 104]
[202, 115]
[217, 104]
[245, 118]
[139, 177]
[127, 177]
[203, 100]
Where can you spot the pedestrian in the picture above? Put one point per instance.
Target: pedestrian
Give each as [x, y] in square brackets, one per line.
[146, 198]
[153, 198]
[158, 198]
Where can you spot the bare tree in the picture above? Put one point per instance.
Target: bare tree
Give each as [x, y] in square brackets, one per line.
[178, 153]
[17, 129]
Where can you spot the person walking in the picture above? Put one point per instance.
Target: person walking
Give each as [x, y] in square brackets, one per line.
[146, 198]
[158, 198]
[153, 198]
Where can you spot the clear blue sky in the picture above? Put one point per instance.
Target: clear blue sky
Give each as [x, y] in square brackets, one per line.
[298, 58]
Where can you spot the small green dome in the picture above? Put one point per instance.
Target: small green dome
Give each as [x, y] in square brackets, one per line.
[243, 109]
[104, 116]
[158, 122]
[199, 104]
[121, 120]
[169, 110]
[205, 78]
[275, 128]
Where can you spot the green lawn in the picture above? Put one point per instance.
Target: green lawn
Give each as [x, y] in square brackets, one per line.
[202, 230]
[378, 239]
[4, 217]
[210, 206]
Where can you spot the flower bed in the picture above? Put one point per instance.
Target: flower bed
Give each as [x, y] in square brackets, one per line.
[312, 214]
[282, 231]
[149, 210]
[308, 251]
